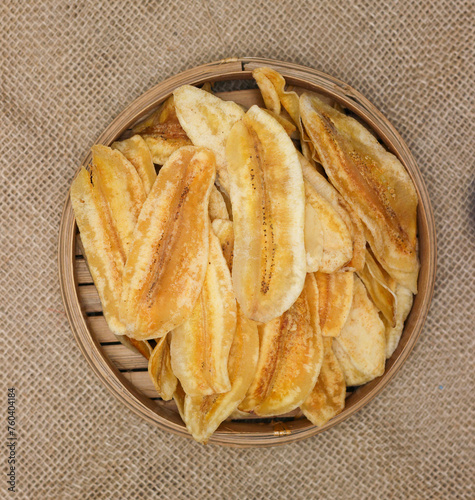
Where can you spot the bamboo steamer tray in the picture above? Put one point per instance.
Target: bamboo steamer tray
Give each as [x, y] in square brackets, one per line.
[124, 373]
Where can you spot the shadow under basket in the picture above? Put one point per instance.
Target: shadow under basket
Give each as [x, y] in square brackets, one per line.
[124, 372]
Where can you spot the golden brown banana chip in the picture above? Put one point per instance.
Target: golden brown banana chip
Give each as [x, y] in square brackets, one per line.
[137, 152]
[290, 357]
[335, 296]
[217, 206]
[268, 199]
[142, 347]
[380, 286]
[362, 340]
[353, 224]
[272, 87]
[203, 415]
[200, 346]
[372, 181]
[207, 120]
[104, 252]
[336, 245]
[404, 300]
[327, 398]
[162, 132]
[122, 188]
[167, 262]
[160, 370]
[223, 229]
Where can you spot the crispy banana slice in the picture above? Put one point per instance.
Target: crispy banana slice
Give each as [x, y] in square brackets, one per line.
[290, 357]
[137, 152]
[335, 296]
[162, 132]
[288, 126]
[167, 262]
[142, 347]
[122, 188]
[372, 181]
[160, 370]
[203, 415]
[380, 286]
[327, 398]
[362, 339]
[337, 245]
[268, 199]
[353, 224]
[217, 206]
[404, 299]
[313, 232]
[272, 87]
[200, 346]
[223, 229]
[207, 120]
[104, 252]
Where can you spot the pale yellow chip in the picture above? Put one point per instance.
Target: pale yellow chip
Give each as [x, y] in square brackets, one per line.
[327, 398]
[160, 370]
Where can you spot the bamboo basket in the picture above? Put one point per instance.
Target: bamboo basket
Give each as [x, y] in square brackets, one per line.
[124, 373]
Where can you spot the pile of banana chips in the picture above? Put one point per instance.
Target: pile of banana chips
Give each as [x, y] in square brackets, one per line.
[269, 264]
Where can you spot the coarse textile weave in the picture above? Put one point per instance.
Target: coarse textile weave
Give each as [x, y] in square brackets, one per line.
[68, 68]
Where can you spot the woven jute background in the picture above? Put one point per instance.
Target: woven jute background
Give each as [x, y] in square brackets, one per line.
[68, 68]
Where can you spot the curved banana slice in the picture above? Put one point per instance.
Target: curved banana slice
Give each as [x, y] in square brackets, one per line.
[327, 398]
[142, 347]
[272, 87]
[104, 252]
[167, 262]
[162, 132]
[380, 286]
[160, 370]
[404, 299]
[200, 346]
[352, 223]
[362, 339]
[335, 296]
[337, 246]
[203, 415]
[268, 199]
[217, 206]
[122, 188]
[372, 181]
[207, 120]
[290, 357]
[137, 152]
[223, 229]
[313, 232]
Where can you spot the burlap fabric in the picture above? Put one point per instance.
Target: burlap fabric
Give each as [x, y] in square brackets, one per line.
[68, 68]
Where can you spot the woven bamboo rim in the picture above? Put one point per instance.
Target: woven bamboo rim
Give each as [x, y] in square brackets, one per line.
[250, 433]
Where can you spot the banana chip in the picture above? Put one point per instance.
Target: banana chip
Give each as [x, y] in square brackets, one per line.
[162, 132]
[122, 189]
[372, 181]
[327, 398]
[353, 224]
[137, 152]
[404, 299]
[380, 286]
[217, 206]
[335, 296]
[268, 200]
[200, 346]
[290, 357]
[207, 120]
[223, 229]
[203, 415]
[336, 244]
[160, 370]
[167, 262]
[361, 346]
